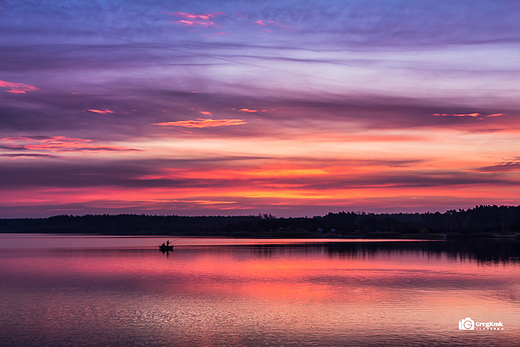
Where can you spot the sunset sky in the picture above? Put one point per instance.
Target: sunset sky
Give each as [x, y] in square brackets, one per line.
[243, 107]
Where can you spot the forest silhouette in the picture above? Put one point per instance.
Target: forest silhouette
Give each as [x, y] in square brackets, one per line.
[480, 221]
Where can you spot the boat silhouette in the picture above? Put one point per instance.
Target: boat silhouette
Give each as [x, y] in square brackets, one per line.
[166, 246]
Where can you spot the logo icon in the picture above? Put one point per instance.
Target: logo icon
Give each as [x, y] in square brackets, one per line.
[466, 324]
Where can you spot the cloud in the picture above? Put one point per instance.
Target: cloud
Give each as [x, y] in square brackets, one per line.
[405, 22]
[203, 123]
[270, 23]
[304, 182]
[17, 88]
[205, 202]
[56, 113]
[28, 155]
[457, 115]
[105, 111]
[336, 80]
[56, 144]
[475, 115]
[248, 181]
[278, 24]
[191, 19]
[502, 167]
[410, 179]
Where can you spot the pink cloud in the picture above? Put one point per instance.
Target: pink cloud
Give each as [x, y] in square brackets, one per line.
[17, 88]
[105, 111]
[191, 19]
[203, 123]
[283, 26]
[206, 113]
[270, 23]
[56, 144]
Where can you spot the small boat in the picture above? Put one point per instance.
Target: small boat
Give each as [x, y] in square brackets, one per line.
[165, 248]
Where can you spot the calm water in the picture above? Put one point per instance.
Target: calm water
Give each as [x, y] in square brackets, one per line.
[117, 291]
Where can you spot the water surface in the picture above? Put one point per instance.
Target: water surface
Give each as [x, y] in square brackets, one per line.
[60, 290]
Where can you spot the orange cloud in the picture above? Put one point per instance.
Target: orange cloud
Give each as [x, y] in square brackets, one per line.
[56, 144]
[191, 19]
[457, 114]
[203, 123]
[495, 115]
[467, 115]
[17, 88]
[252, 111]
[105, 111]
[206, 113]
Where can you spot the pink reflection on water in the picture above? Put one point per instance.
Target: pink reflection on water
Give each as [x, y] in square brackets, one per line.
[231, 292]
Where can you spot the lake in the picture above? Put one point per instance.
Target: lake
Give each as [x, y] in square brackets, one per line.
[59, 290]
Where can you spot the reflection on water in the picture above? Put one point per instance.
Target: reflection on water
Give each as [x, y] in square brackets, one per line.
[100, 291]
[481, 251]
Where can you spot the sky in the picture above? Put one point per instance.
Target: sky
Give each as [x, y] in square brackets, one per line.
[294, 108]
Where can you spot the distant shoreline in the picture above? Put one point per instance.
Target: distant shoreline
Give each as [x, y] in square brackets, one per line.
[479, 222]
[268, 235]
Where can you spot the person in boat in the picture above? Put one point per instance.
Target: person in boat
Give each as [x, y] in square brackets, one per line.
[163, 245]
[167, 243]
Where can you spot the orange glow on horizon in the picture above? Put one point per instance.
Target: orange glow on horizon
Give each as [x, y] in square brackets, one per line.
[345, 167]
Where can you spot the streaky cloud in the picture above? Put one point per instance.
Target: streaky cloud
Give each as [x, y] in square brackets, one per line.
[28, 155]
[57, 144]
[502, 167]
[203, 123]
[105, 111]
[17, 88]
[250, 111]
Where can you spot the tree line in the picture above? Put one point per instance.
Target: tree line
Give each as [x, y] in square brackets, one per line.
[481, 219]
